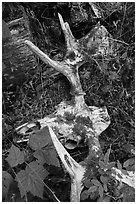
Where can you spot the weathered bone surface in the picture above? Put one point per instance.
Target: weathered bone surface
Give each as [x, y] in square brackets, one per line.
[74, 120]
[77, 171]
[75, 114]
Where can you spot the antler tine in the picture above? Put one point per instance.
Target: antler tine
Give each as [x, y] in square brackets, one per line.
[75, 170]
[56, 65]
[70, 40]
[62, 22]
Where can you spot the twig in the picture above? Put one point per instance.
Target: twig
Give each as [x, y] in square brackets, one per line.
[125, 8]
[119, 41]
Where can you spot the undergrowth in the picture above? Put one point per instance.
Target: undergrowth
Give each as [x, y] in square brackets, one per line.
[107, 82]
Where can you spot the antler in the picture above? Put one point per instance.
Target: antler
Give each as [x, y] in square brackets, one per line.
[85, 122]
[75, 170]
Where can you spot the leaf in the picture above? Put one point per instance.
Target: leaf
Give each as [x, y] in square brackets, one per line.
[101, 171]
[3, 66]
[124, 56]
[102, 164]
[105, 187]
[119, 165]
[128, 194]
[86, 75]
[21, 178]
[129, 147]
[106, 157]
[87, 183]
[5, 30]
[101, 191]
[6, 182]
[110, 165]
[113, 75]
[130, 168]
[104, 179]
[106, 88]
[84, 195]
[15, 156]
[48, 156]
[92, 189]
[40, 139]
[39, 154]
[104, 199]
[31, 179]
[129, 162]
[95, 182]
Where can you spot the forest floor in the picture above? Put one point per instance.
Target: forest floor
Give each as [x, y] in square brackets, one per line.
[106, 83]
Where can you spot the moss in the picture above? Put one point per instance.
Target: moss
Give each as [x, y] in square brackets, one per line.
[84, 120]
[79, 130]
[69, 116]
